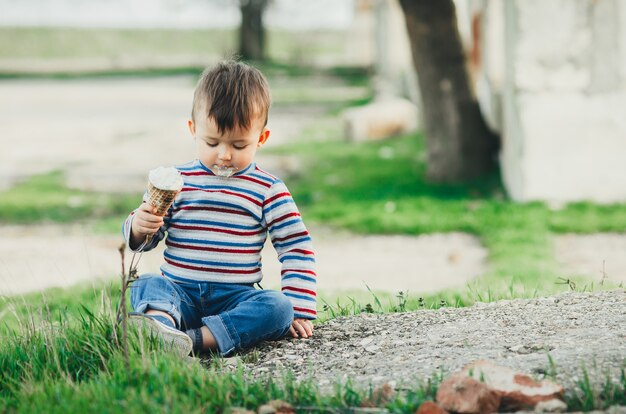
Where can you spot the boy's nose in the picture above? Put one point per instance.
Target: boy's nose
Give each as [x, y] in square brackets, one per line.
[224, 154]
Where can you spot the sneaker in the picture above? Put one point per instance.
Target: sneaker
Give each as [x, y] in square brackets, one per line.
[179, 341]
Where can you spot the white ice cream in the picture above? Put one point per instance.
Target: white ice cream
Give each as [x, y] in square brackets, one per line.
[166, 178]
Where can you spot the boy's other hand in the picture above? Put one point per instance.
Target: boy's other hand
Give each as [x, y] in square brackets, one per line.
[145, 221]
[301, 328]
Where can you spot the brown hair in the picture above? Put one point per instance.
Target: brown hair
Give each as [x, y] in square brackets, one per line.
[233, 94]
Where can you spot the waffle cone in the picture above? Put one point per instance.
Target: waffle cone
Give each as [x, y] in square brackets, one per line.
[161, 199]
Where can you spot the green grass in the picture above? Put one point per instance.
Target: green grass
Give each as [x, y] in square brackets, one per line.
[588, 396]
[69, 362]
[133, 51]
[64, 43]
[60, 43]
[46, 198]
[332, 88]
[62, 357]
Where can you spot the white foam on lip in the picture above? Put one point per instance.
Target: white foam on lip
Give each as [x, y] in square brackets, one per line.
[166, 178]
[224, 171]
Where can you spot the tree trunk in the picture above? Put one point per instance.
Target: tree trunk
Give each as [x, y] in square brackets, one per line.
[252, 31]
[459, 144]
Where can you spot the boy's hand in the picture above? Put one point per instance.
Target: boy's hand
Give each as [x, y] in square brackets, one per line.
[301, 328]
[145, 222]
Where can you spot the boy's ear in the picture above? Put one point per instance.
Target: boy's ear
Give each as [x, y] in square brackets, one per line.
[192, 127]
[265, 134]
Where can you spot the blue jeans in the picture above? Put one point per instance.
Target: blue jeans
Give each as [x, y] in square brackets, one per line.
[238, 315]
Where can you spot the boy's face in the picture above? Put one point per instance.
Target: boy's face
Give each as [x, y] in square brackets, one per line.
[231, 151]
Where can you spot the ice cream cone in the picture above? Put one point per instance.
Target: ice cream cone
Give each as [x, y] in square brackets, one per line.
[161, 199]
[164, 184]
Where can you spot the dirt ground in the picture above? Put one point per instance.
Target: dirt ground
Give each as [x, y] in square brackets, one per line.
[35, 258]
[107, 133]
[599, 257]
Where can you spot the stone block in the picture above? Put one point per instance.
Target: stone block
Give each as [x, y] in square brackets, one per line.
[483, 387]
[380, 119]
[568, 147]
[462, 394]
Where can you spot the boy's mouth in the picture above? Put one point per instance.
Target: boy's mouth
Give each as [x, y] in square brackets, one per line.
[223, 170]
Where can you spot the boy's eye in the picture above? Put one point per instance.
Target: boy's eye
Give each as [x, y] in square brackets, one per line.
[239, 147]
[211, 144]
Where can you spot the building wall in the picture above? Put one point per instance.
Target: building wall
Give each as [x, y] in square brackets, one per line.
[556, 91]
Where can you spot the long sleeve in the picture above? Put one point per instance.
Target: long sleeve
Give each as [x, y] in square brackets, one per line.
[293, 244]
[158, 236]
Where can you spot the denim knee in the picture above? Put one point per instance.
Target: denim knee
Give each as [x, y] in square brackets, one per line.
[267, 315]
[280, 309]
[153, 291]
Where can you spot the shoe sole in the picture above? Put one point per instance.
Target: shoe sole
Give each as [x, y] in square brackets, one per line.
[175, 340]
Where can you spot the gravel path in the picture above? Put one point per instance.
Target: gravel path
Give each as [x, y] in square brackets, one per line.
[576, 329]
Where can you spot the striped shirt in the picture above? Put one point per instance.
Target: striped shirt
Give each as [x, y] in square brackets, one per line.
[217, 227]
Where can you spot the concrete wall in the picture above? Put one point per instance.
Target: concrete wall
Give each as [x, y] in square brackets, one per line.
[552, 81]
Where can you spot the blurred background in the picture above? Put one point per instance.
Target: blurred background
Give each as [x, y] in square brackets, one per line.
[456, 150]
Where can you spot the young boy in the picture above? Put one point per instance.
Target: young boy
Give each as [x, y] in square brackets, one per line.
[205, 299]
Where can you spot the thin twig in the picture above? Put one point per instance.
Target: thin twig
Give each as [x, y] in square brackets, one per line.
[121, 310]
[564, 281]
[604, 275]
